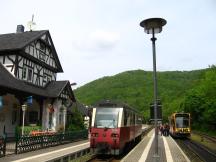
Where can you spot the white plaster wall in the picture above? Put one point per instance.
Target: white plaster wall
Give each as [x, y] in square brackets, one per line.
[7, 61]
[45, 115]
[57, 105]
[45, 119]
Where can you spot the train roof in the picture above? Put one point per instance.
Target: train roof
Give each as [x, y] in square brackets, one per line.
[181, 113]
[113, 104]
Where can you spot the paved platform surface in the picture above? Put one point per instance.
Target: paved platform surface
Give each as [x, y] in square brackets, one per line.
[47, 153]
[168, 150]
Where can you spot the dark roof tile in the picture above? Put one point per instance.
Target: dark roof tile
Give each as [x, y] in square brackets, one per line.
[14, 41]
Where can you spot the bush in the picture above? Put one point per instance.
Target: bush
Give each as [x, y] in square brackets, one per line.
[27, 129]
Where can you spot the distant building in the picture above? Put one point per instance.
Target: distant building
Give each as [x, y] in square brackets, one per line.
[28, 68]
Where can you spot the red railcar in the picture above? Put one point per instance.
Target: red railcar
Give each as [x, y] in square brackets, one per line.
[113, 127]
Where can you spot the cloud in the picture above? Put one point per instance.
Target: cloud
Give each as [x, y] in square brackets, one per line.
[97, 41]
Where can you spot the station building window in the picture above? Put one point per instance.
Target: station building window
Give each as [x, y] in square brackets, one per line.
[27, 73]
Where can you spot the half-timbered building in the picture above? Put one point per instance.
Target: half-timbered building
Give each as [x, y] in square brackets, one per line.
[28, 68]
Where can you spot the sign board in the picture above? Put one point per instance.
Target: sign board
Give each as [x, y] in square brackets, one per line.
[159, 111]
[29, 100]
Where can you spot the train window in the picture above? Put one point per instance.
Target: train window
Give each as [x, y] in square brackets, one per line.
[131, 119]
[139, 120]
[125, 117]
[106, 117]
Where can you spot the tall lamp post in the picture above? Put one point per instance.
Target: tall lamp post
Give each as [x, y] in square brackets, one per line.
[153, 26]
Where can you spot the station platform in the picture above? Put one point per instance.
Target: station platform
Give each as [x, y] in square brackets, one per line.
[52, 154]
[168, 150]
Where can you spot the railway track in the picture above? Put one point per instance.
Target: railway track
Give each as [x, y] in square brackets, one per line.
[195, 151]
[98, 158]
[110, 158]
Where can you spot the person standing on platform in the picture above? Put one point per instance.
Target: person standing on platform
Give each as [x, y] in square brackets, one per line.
[166, 129]
[161, 130]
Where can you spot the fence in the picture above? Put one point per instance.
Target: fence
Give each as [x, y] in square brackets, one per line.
[30, 143]
[2, 146]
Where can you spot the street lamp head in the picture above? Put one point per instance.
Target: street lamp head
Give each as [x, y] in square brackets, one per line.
[73, 84]
[24, 107]
[153, 25]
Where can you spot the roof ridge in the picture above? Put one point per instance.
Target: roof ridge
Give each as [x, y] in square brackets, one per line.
[23, 32]
[16, 41]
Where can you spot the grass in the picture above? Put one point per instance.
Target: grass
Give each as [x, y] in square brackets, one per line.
[204, 141]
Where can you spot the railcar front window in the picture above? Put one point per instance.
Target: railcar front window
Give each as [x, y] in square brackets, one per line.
[182, 122]
[106, 117]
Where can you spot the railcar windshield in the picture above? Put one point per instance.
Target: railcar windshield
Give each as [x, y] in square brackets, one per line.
[182, 121]
[106, 117]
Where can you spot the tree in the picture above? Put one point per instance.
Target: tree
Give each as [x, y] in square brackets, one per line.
[201, 103]
[76, 121]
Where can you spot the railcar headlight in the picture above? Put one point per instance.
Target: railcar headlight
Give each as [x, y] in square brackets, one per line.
[114, 135]
[94, 134]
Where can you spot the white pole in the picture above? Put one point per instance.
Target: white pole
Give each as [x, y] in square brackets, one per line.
[64, 117]
[23, 123]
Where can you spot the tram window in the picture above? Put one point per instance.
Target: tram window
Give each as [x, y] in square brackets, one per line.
[182, 122]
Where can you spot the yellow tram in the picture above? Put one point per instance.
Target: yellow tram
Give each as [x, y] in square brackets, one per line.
[180, 125]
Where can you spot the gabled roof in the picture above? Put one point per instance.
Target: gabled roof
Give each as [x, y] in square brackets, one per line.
[56, 87]
[52, 90]
[14, 41]
[17, 41]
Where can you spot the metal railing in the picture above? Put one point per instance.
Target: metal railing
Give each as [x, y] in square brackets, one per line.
[2, 146]
[30, 143]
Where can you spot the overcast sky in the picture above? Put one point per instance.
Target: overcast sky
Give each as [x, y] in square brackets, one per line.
[96, 38]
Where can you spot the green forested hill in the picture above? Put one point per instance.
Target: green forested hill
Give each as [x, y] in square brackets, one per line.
[136, 89]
